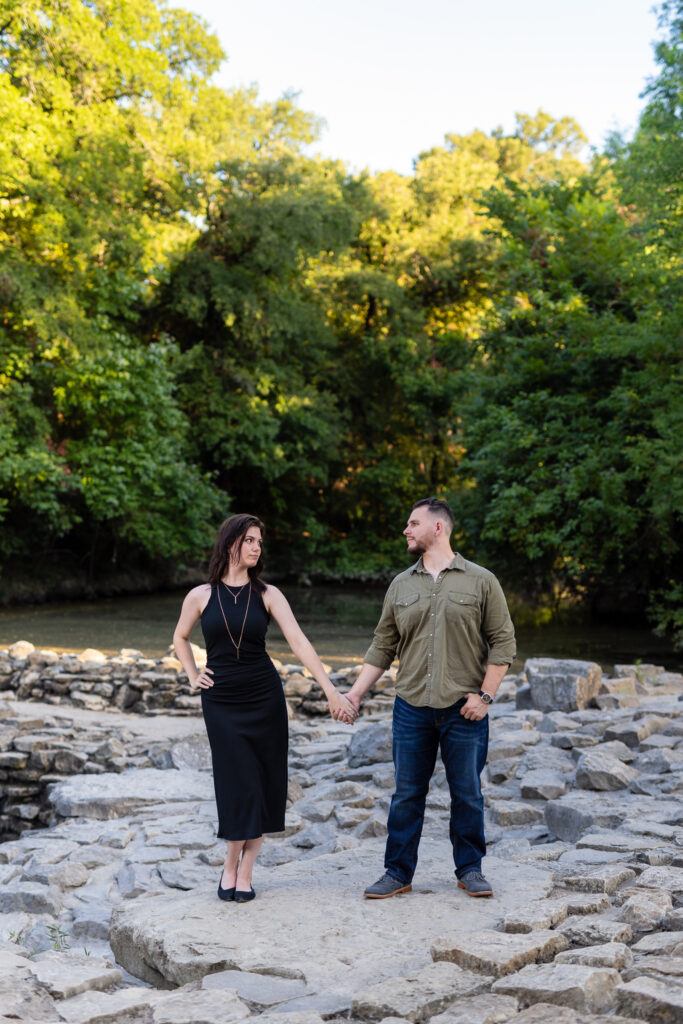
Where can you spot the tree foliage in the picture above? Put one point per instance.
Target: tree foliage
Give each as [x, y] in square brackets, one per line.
[571, 416]
[112, 148]
[197, 316]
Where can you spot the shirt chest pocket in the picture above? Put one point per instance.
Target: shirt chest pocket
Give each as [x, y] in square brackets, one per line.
[407, 608]
[462, 606]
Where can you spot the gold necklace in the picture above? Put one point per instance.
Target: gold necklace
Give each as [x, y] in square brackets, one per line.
[234, 596]
[218, 592]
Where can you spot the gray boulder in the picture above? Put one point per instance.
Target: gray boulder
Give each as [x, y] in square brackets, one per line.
[543, 785]
[370, 744]
[600, 771]
[562, 684]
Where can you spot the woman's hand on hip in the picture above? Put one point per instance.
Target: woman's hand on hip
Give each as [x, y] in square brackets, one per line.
[203, 680]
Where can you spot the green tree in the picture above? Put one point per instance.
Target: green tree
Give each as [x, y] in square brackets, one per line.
[255, 341]
[650, 166]
[110, 155]
[572, 419]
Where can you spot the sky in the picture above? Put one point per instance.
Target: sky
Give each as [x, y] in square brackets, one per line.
[392, 77]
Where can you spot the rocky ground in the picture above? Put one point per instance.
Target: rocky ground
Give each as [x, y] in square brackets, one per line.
[111, 914]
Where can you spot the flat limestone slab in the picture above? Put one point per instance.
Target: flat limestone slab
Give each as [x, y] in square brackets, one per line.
[113, 795]
[499, 953]
[317, 904]
[608, 954]
[536, 916]
[592, 930]
[660, 1002]
[484, 1009]
[660, 943]
[607, 878]
[578, 987]
[261, 989]
[200, 1008]
[660, 967]
[107, 1007]
[668, 878]
[66, 975]
[419, 995]
[545, 1013]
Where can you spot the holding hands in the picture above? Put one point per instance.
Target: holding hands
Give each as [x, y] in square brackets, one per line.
[341, 708]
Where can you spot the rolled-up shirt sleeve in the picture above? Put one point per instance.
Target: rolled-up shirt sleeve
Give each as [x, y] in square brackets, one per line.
[497, 626]
[382, 650]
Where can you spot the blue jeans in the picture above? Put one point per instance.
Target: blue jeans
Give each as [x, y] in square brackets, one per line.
[418, 734]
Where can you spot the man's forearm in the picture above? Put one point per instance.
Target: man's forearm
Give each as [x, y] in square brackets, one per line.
[367, 677]
[493, 678]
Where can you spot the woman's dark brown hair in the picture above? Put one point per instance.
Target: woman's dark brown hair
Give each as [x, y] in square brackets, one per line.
[234, 529]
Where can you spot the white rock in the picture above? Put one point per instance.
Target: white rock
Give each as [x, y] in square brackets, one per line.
[67, 974]
[543, 785]
[499, 953]
[214, 1007]
[30, 897]
[484, 1009]
[112, 795]
[645, 911]
[573, 985]
[419, 995]
[601, 879]
[261, 989]
[608, 954]
[659, 943]
[536, 916]
[21, 649]
[514, 812]
[185, 936]
[652, 1000]
[593, 930]
[669, 879]
[108, 1007]
[544, 1013]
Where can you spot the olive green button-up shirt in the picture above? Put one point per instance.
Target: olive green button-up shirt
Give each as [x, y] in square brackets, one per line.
[444, 632]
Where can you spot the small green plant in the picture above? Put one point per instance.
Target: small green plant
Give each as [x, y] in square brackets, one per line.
[58, 938]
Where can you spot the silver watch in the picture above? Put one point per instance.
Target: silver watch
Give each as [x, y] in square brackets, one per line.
[486, 697]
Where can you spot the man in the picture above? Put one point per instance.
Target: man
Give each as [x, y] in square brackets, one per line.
[447, 621]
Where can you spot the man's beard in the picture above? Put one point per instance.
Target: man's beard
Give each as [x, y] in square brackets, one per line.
[415, 548]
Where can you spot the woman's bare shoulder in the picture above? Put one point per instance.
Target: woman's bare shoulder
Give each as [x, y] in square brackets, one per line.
[198, 596]
[271, 594]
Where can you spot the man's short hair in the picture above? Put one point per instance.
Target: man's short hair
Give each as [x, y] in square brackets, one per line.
[439, 508]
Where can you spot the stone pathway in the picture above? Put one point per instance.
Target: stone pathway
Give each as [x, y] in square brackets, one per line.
[111, 915]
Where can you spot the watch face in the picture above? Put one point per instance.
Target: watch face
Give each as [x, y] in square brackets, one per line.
[486, 697]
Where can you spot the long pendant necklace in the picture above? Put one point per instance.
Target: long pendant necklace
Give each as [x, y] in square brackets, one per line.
[234, 596]
[218, 592]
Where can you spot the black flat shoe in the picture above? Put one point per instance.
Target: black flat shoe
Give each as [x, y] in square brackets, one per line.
[225, 894]
[244, 897]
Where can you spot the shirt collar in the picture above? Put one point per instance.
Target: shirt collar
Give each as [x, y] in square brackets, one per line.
[457, 563]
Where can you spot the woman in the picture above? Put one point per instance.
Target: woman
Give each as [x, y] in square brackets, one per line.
[242, 697]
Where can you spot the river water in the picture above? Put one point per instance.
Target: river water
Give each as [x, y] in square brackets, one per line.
[338, 621]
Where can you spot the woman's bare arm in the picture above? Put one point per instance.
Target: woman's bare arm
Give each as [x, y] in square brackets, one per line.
[278, 606]
[194, 604]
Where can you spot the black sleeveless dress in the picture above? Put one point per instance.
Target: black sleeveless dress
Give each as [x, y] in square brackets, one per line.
[246, 718]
